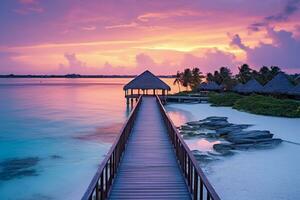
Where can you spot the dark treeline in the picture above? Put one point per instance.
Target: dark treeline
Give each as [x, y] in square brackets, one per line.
[74, 76]
[192, 78]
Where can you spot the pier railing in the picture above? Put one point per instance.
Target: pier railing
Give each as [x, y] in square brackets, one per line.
[102, 180]
[196, 180]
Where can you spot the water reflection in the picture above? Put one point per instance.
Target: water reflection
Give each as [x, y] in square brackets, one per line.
[74, 119]
[201, 144]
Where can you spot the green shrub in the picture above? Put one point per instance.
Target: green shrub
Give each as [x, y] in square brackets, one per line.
[257, 104]
[267, 105]
[223, 99]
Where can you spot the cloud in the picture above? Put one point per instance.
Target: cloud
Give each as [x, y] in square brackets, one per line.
[290, 7]
[28, 1]
[210, 60]
[74, 64]
[29, 7]
[283, 51]
[129, 25]
[236, 41]
[89, 28]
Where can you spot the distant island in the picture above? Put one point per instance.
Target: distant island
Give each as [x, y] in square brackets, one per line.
[76, 76]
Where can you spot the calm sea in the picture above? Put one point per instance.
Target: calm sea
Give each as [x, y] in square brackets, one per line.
[55, 132]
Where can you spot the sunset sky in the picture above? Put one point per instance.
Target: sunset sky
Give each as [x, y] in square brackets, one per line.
[129, 36]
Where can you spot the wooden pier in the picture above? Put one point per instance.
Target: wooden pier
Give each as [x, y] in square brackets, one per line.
[186, 98]
[149, 160]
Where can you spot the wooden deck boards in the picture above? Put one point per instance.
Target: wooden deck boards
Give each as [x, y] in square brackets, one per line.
[148, 169]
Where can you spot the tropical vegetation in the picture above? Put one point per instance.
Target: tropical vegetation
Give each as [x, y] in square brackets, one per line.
[257, 104]
[189, 78]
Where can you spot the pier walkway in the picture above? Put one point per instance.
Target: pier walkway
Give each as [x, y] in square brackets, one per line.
[149, 160]
[149, 166]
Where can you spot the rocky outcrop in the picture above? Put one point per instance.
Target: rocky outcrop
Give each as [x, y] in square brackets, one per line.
[235, 135]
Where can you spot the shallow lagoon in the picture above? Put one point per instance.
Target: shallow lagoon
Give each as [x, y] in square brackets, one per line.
[54, 133]
[254, 174]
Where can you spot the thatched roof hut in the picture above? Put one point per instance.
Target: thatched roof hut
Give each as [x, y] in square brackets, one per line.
[238, 87]
[295, 91]
[280, 84]
[209, 86]
[146, 81]
[252, 86]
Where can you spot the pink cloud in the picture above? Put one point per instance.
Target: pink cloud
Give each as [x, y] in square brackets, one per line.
[28, 7]
[212, 59]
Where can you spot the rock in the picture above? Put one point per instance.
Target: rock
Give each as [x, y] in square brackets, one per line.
[232, 128]
[213, 125]
[258, 144]
[18, 167]
[214, 118]
[223, 149]
[203, 157]
[188, 128]
[194, 123]
[267, 143]
[236, 137]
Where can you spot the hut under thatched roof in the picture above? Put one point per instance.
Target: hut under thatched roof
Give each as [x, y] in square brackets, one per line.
[295, 91]
[252, 86]
[146, 81]
[237, 87]
[209, 86]
[280, 84]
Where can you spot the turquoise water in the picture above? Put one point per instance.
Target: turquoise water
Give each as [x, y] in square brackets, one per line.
[54, 133]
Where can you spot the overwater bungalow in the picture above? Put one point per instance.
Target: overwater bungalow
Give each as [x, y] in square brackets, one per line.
[295, 91]
[146, 84]
[238, 87]
[280, 84]
[252, 86]
[209, 86]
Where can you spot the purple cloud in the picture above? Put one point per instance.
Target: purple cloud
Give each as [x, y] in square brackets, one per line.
[283, 51]
[290, 7]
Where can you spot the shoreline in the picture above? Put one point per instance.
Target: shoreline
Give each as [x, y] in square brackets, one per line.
[246, 168]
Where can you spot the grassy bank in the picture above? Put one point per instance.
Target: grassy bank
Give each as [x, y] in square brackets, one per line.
[257, 104]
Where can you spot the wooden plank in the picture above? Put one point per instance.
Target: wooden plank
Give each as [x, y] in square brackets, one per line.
[149, 169]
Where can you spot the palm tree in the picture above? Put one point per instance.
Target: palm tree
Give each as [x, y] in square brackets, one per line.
[178, 80]
[226, 78]
[210, 77]
[196, 78]
[245, 73]
[217, 77]
[264, 74]
[187, 78]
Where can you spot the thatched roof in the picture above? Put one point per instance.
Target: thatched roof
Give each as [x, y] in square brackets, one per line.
[209, 86]
[146, 80]
[295, 91]
[238, 87]
[251, 86]
[280, 84]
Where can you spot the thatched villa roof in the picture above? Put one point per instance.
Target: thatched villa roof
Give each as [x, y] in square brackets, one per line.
[238, 87]
[251, 86]
[296, 90]
[280, 84]
[146, 80]
[209, 86]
